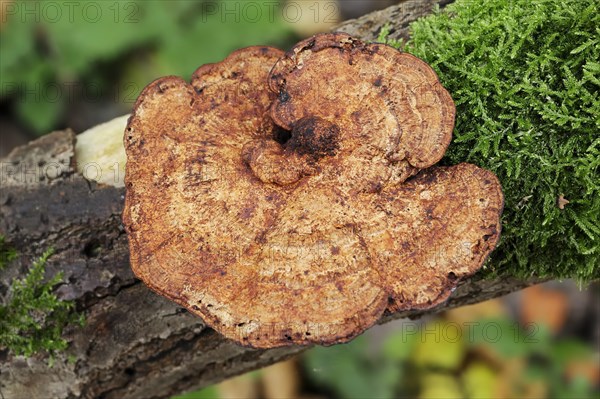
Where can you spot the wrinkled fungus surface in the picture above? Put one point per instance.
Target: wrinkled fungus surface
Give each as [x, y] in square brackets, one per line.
[291, 199]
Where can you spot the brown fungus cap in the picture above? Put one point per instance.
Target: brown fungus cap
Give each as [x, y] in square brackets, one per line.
[391, 108]
[304, 235]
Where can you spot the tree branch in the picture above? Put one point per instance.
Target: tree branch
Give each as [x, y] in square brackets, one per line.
[134, 343]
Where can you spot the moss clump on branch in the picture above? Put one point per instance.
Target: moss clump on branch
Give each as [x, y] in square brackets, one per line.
[33, 318]
[7, 253]
[525, 76]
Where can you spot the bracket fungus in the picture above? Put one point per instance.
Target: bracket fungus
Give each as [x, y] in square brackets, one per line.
[291, 198]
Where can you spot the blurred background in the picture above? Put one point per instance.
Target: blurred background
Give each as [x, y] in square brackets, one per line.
[79, 63]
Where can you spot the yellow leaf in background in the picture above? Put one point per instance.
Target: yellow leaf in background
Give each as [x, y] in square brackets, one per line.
[440, 386]
[479, 381]
[440, 344]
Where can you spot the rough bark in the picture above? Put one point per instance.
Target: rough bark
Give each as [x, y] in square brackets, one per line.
[398, 17]
[134, 343]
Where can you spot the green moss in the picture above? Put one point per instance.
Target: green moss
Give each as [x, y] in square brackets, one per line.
[7, 253]
[525, 77]
[33, 318]
[383, 37]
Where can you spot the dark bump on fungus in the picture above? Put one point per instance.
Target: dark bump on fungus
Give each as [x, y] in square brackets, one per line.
[281, 135]
[315, 137]
[283, 96]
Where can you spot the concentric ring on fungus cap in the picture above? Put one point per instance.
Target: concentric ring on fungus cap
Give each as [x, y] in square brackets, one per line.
[306, 232]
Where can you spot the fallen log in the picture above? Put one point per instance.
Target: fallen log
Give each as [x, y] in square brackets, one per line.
[134, 343]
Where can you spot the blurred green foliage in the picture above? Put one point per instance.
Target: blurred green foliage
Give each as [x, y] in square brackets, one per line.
[351, 371]
[50, 48]
[445, 359]
[525, 77]
[206, 393]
